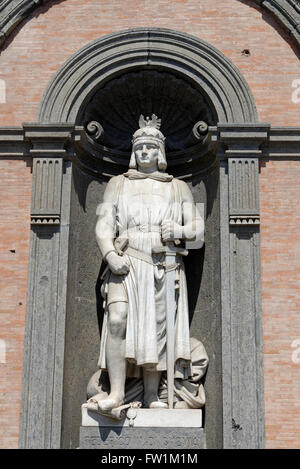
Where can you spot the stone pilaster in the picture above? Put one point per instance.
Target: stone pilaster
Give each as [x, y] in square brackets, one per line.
[46, 301]
[243, 396]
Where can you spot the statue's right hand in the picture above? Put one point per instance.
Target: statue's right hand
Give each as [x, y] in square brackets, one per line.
[117, 264]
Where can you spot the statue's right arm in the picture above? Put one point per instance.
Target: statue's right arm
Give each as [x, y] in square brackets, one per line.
[106, 221]
[106, 228]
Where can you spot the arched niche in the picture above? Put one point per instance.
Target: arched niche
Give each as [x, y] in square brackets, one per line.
[109, 80]
[112, 81]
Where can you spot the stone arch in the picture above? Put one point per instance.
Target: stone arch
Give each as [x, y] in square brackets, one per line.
[147, 48]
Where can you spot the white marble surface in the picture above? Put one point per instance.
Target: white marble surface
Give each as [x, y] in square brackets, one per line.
[189, 418]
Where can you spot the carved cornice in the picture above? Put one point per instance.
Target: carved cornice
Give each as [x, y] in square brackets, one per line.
[12, 143]
[283, 143]
[275, 142]
[34, 140]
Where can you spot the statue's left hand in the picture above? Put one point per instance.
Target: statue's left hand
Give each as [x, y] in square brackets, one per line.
[171, 230]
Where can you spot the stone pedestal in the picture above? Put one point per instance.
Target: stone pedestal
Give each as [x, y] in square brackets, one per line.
[149, 429]
[141, 438]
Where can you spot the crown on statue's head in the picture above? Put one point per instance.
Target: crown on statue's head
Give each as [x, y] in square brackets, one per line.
[149, 129]
[153, 122]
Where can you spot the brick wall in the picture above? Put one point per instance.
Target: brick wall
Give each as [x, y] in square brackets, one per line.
[280, 250]
[55, 31]
[15, 189]
[34, 52]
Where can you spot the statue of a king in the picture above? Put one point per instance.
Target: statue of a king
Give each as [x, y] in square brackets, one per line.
[144, 210]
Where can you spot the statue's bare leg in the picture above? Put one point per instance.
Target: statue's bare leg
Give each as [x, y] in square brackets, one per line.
[115, 356]
[151, 385]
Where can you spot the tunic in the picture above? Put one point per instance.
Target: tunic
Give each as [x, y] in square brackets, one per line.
[139, 215]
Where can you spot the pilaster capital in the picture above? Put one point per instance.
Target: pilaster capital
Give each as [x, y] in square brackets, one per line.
[243, 140]
[47, 140]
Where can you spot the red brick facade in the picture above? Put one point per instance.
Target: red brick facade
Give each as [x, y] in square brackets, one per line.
[280, 250]
[29, 58]
[15, 191]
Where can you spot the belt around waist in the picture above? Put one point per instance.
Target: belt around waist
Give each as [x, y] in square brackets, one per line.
[139, 255]
[147, 258]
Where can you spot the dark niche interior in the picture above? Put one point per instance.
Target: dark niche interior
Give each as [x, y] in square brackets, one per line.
[110, 116]
[118, 104]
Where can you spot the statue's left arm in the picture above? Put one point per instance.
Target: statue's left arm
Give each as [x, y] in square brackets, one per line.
[192, 227]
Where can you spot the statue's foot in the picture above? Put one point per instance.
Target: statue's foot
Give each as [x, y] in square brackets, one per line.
[106, 405]
[181, 405]
[152, 402]
[157, 405]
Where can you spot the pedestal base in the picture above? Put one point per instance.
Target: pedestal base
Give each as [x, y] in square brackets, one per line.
[191, 418]
[141, 438]
[143, 429]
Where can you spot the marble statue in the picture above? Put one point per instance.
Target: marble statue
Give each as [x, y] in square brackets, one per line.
[144, 220]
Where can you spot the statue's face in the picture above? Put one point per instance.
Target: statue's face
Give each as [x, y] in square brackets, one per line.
[146, 154]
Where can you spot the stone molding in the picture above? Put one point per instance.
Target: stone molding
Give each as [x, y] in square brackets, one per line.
[35, 140]
[274, 142]
[286, 13]
[12, 12]
[63, 141]
[140, 48]
[281, 142]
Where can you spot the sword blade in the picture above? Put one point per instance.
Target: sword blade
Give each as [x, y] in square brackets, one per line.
[170, 251]
[170, 324]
